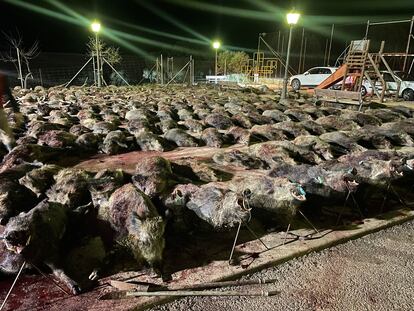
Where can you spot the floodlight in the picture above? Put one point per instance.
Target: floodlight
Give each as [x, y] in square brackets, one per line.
[292, 18]
[96, 26]
[216, 44]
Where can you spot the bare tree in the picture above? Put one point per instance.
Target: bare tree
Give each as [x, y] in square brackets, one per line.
[107, 54]
[19, 56]
[110, 53]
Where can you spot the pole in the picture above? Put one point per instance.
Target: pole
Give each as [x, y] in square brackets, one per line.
[366, 31]
[304, 54]
[168, 67]
[119, 75]
[80, 70]
[278, 52]
[285, 78]
[301, 49]
[158, 70]
[326, 52]
[162, 69]
[258, 53]
[185, 66]
[281, 54]
[274, 52]
[20, 67]
[172, 66]
[191, 70]
[278, 42]
[407, 50]
[330, 45]
[14, 283]
[203, 293]
[215, 71]
[98, 61]
[95, 80]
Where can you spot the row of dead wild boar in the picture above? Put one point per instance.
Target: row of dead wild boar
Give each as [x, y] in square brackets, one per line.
[284, 156]
[89, 121]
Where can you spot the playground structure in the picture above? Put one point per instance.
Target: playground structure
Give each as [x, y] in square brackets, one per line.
[360, 64]
[262, 67]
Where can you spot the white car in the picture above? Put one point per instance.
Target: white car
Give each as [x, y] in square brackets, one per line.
[406, 87]
[311, 78]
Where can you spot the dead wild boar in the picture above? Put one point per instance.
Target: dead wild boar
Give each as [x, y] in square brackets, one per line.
[14, 198]
[153, 176]
[40, 179]
[70, 189]
[37, 236]
[278, 196]
[137, 224]
[102, 185]
[219, 206]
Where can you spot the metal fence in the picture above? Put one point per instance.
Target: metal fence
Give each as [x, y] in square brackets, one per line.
[50, 69]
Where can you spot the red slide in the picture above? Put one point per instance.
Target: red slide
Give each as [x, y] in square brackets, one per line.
[333, 78]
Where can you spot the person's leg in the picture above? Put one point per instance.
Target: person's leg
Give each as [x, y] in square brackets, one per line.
[6, 134]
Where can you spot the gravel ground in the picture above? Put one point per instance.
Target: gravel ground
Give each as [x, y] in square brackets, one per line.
[375, 272]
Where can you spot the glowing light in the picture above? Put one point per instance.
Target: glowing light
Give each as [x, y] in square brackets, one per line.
[292, 18]
[96, 26]
[216, 44]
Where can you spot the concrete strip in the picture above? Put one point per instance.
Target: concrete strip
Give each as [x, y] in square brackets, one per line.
[220, 270]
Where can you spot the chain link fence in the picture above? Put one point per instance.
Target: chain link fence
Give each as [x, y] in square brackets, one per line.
[51, 69]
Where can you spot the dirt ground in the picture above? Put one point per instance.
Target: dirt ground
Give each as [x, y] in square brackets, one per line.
[375, 272]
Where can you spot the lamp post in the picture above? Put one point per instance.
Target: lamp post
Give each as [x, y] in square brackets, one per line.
[292, 19]
[96, 27]
[216, 46]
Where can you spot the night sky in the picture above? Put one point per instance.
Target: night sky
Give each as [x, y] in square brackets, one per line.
[208, 19]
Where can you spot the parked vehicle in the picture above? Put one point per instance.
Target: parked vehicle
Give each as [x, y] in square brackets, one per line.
[311, 78]
[405, 79]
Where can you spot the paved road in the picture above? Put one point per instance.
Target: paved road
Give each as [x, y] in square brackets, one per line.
[375, 273]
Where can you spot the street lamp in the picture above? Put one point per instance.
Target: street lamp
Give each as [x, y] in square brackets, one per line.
[96, 27]
[292, 19]
[216, 46]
